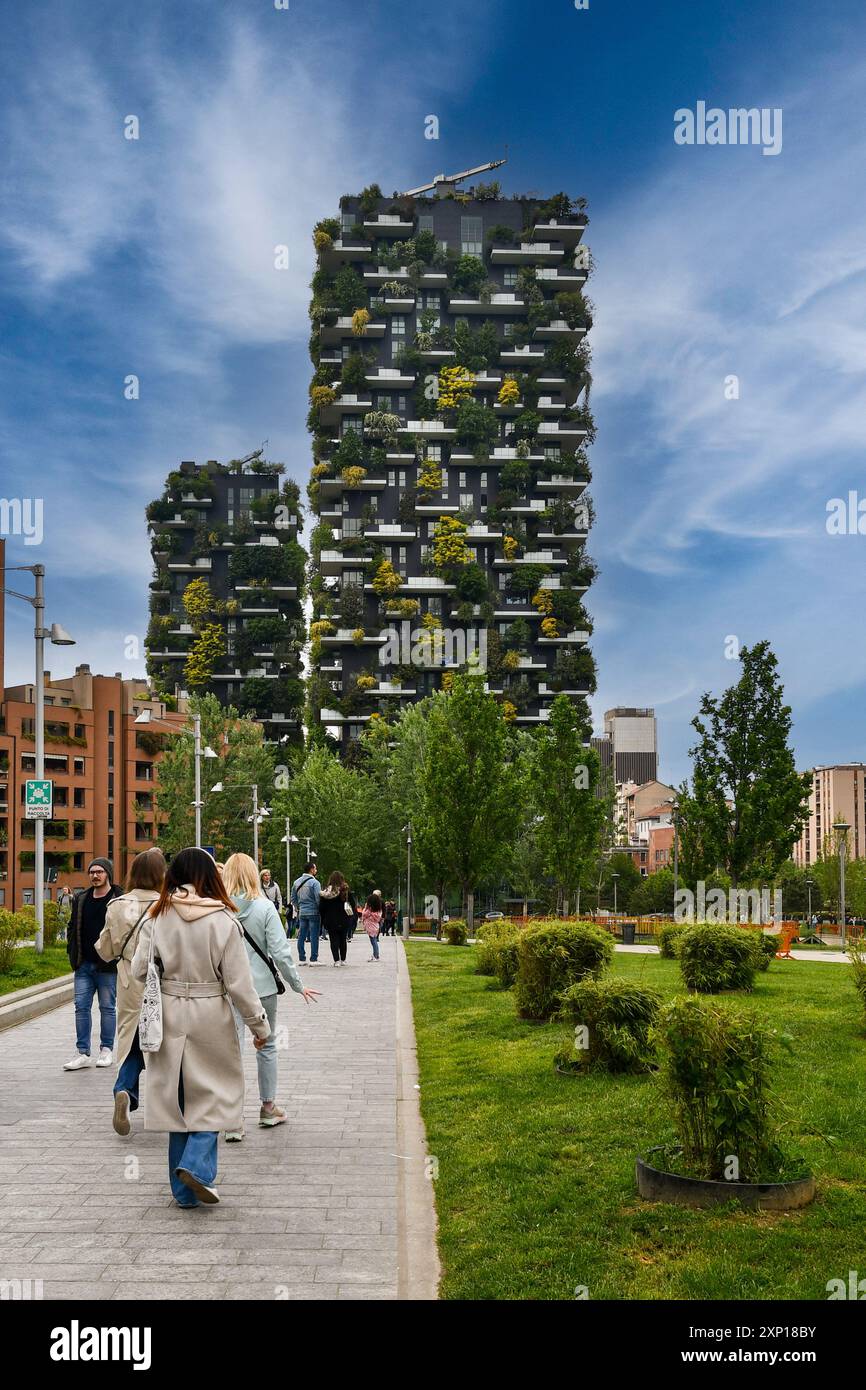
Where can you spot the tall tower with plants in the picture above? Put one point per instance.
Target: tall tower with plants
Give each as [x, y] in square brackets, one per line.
[226, 598]
[450, 418]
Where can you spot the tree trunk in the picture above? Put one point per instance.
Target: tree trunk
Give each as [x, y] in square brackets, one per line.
[577, 903]
[470, 910]
[565, 904]
[525, 908]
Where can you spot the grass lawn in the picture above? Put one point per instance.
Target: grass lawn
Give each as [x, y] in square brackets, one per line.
[30, 969]
[536, 1191]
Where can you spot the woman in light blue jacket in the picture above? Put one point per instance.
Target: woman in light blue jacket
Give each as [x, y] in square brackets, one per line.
[263, 929]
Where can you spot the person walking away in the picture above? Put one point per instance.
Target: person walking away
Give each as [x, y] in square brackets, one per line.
[336, 915]
[64, 902]
[92, 974]
[262, 928]
[371, 918]
[353, 920]
[195, 1081]
[271, 889]
[389, 918]
[117, 944]
[306, 891]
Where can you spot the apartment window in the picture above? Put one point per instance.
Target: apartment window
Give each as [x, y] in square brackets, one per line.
[352, 578]
[467, 499]
[347, 221]
[78, 863]
[471, 243]
[347, 351]
[79, 730]
[510, 278]
[392, 477]
[401, 405]
[402, 477]
[434, 605]
[351, 422]
[434, 451]
[78, 793]
[111, 786]
[461, 479]
[425, 222]
[551, 453]
[508, 329]
[398, 325]
[483, 480]
[431, 529]
[352, 526]
[111, 815]
[111, 846]
[402, 556]
[425, 551]
[383, 401]
[111, 752]
[345, 503]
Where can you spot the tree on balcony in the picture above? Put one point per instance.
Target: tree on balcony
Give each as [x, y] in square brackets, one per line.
[476, 424]
[205, 654]
[468, 275]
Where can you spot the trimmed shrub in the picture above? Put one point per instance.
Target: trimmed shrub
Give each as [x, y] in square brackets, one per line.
[618, 1016]
[715, 958]
[554, 955]
[765, 949]
[52, 921]
[488, 936]
[669, 938]
[9, 931]
[716, 1072]
[857, 957]
[455, 933]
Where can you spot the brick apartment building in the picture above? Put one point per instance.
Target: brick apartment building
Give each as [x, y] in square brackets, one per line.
[102, 766]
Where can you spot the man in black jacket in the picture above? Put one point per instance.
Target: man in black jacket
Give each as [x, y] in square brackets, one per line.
[92, 974]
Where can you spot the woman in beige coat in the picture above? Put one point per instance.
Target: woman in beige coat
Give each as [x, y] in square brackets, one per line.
[118, 940]
[195, 1082]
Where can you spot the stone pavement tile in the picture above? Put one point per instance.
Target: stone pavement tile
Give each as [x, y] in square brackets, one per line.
[366, 1292]
[346, 1240]
[158, 1293]
[265, 1259]
[64, 1272]
[77, 1290]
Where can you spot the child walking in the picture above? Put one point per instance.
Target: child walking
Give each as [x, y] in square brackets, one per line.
[371, 919]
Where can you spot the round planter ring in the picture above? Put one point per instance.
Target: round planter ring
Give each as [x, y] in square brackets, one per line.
[655, 1185]
[566, 1071]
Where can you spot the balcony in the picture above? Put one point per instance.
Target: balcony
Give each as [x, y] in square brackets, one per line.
[391, 688]
[343, 250]
[567, 232]
[541, 718]
[342, 328]
[561, 483]
[432, 279]
[582, 688]
[558, 328]
[436, 354]
[567, 538]
[577, 638]
[561, 430]
[388, 224]
[531, 557]
[348, 403]
[484, 381]
[193, 501]
[333, 561]
[333, 716]
[527, 253]
[522, 355]
[481, 531]
[420, 584]
[390, 377]
[390, 531]
[344, 636]
[168, 656]
[332, 486]
[201, 563]
[434, 428]
[382, 274]
[497, 304]
[548, 406]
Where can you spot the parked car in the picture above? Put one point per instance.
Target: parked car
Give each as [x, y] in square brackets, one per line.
[493, 916]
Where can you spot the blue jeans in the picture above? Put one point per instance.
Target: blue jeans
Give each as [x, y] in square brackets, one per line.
[374, 942]
[129, 1073]
[89, 980]
[197, 1153]
[309, 932]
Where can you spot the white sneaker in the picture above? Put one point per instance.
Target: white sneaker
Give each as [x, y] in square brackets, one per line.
[105, 1058]
[79, 1061]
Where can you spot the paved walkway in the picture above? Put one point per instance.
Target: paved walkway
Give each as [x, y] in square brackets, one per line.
[309, 1210]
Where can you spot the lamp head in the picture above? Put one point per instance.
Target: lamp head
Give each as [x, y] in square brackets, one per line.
[60, 637]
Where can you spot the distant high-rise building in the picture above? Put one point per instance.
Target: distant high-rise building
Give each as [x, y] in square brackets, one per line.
[629, 745]
[449, 437]
[226, 596]
[838, 792]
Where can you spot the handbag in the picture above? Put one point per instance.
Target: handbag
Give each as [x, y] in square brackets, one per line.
[150, 1016]
[268, 960]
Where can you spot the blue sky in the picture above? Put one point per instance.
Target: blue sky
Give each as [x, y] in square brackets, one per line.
[155, 257]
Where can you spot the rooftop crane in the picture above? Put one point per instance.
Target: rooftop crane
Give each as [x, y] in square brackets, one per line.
[442, 179]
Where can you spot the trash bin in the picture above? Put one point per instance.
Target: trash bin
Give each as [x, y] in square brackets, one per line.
[628, 931]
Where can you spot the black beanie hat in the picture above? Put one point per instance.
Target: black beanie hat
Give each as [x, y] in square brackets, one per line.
[105, 864]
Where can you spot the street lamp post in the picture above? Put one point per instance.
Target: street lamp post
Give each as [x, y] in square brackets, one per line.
[614, 877]
[842, 827]
[407, 916]
[60, 638]
[258, 815]
[675, 807]
[288, 840]
[810, 883]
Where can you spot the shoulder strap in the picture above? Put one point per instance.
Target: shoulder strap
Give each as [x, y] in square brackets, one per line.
[129, 934]
[260, 953]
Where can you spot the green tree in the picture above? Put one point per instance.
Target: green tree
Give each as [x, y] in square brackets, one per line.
[243, 759]
[471, 810]
[563, 775]
[751, 800]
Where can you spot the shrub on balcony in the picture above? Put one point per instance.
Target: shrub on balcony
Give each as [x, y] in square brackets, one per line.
[256, 695]
[568, 359]
[266, 629]
[575, 308]
[455, 386]
[510, 547]
[323, 628]
[543, 601]
[402, 607]
[511, 660]
[198, 601]
[509, 391]
[471, 583]
[369, 200]
[386, 580]
[322, 395]
[517, 634]
[381, 424]
[526, 579]
[353, 476]
[549, 627]
[574, 668]
[506, 236]
[349, 291]
[205, 654]
[476, 424]
[358, 636]
[349, 451]
[354, 374]
[468, 275]
[281, 564]
[449, 549]
[430, 477]
[360, 319]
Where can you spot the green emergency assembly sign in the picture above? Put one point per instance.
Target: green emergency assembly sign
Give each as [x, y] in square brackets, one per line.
[38, 799]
